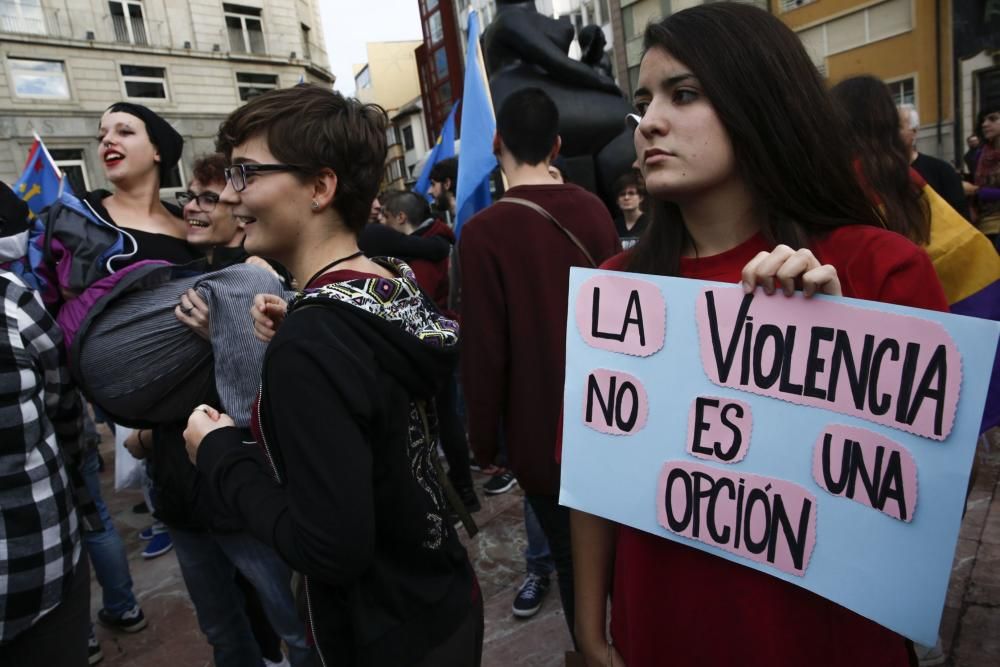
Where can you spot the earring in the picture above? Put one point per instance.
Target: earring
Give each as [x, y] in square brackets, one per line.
[314, 205]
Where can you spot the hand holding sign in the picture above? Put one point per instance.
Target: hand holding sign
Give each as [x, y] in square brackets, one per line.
[788, 266]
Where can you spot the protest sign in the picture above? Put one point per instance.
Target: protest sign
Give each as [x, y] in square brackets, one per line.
[824, 441]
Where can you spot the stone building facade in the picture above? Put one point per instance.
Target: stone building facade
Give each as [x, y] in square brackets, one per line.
[62, 62]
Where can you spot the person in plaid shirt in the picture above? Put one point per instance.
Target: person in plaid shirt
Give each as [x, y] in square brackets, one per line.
[44, 573]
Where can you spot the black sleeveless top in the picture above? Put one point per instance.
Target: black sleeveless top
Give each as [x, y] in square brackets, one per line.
[150, 245]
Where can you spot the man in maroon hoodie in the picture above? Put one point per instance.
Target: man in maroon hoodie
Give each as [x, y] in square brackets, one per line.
[515, 264]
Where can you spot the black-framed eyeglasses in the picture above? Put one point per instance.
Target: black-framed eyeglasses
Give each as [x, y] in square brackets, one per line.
[206, 200]
[237, 173]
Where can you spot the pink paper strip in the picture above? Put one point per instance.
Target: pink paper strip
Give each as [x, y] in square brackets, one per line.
[768, 521]
[719, 429]
[896, 370]
[867, 468]
[622, 315]
[614, 402]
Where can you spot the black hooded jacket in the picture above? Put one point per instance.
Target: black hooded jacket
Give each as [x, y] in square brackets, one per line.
[345, 490]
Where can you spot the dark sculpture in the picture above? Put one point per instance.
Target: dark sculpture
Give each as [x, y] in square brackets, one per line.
[523, 48]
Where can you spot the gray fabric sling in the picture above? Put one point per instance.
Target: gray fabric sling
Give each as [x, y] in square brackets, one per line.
[143, 366]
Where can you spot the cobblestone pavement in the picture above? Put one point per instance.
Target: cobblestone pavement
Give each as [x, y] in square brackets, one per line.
[970, 629]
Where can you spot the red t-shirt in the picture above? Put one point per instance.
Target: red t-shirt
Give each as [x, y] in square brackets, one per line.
[673, 604]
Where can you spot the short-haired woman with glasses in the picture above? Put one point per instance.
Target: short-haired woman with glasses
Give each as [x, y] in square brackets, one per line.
[349, 490]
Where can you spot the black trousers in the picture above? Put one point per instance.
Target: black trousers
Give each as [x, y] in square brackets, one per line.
[453, 440]
[554, 519]
[465, 646]
[59, 637]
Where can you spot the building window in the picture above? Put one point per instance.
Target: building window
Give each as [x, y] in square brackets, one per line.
[306, 49]
[903, 91]
[45, 79]
[126, 17]
[430, 4]
[391, 136]
[70, 161]
[441, 64]
[789, 5]
[844, 33]
[395, 170]
[251, 84]
[444, 94]
[246, 32]
[145, 82]
[408, 137]
[22, 16]
[435, 28]
[363, 79]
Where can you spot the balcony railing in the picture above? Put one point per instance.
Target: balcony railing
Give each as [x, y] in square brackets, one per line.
[121, 28]
[21, 24]
[86, 25]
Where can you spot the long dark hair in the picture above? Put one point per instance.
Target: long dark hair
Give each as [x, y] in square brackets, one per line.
[881, 155]
[780, 120]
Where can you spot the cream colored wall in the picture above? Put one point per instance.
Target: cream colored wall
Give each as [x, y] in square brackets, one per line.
[393, 69]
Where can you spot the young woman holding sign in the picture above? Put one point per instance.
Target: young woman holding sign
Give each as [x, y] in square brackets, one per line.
[747, 186]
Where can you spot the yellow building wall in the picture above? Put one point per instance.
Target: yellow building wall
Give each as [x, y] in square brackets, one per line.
[393, 70]
[899, 57]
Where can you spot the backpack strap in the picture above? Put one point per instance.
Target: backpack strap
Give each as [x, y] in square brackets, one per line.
[449, 491]
[548, 216]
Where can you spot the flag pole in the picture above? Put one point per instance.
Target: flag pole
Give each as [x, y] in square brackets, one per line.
[51, 161]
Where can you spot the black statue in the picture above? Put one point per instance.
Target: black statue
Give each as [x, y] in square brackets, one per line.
[523, 48]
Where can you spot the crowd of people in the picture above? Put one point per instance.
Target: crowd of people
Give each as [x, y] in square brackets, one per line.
[292, 347]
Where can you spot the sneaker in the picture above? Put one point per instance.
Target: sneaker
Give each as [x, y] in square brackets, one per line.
[284, 662]
[146, 534]
[929, 656]
[94, 654]
[501, 483]
[529, 597]
[130, 621]
[475, 467]
[158, 545]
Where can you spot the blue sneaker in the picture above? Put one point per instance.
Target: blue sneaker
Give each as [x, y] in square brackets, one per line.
[146, 534]
[159, 545]
[529, 597]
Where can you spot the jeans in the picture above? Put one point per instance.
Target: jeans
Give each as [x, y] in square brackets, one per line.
[149, 495]
[209, 563]
[554, 520]
[537, 557]
[106, 549]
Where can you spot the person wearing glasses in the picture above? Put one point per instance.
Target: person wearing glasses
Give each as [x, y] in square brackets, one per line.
[631, 195]
[239, 587]
[119, 279]
[348, 489]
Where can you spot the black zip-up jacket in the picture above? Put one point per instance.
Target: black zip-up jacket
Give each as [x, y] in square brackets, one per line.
[346, 491]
